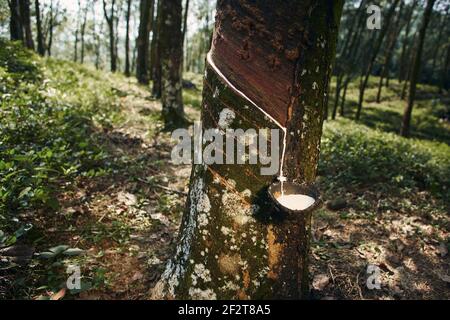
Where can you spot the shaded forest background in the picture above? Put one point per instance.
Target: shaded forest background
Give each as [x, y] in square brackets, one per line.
[84, 157]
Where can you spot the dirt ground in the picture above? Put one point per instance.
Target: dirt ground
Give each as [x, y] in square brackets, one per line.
[128, 224]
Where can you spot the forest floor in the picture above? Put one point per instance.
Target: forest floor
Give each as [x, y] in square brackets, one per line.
[117, 206]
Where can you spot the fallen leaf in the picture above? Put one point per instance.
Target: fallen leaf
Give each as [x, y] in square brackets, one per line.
[59, 295]
[320, 281]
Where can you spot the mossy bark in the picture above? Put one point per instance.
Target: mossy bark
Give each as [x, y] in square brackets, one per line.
[232, 244]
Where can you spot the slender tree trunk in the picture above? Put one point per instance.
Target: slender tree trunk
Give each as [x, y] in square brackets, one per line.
[389, 51]
[143, 41]
[416, 69]
[127, 40]
[349, 41]
[232, 245]
[156, 61]
[51, 25]
[445, 78]
[344, 95]
[110, 20]
[375, 50]
[409, 22]
[442, 28]
[170, 39]
[40, 36]
[15, 22]
[26, 23]
[183, 34]
[83, 32]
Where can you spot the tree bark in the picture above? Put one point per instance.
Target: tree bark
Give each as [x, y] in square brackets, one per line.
[15, 22]
[110, 20]
[267, 57]
[143, 41]
[183, 35]
[389, 51]
[51, 25]
[40, 36]
[156, 54]
[26, 23]
[83, 32]
[346, 49]
[445, 83]
[409, 22]
[127, 40]
[170, 42]
[373, 57]
[416, 69]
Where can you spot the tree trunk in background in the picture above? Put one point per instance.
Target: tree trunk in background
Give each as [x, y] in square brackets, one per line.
[183, 34]
[406, 123]
[156, 61]
[110, 20]
[127, 40]
[346, 48]
[51, 25]
[143, 41]
[442, 28]
[40, 36]
[171, 51]
[445, 79]
[26, 23]
[278, 56]
[396, 29]
[403, 59]
[83, 32]
[15, 22]
[374, 53]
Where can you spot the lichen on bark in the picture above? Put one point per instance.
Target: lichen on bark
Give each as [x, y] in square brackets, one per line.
[232, 244]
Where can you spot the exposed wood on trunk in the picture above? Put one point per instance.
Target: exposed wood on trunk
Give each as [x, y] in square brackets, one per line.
[269, 65]
[406, 123]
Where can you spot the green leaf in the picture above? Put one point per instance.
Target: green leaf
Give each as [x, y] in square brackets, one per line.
[24, 192]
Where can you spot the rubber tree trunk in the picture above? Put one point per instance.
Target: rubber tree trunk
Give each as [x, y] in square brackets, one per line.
[15, 21]
[171, 51]
[127, 70]
[40, 36]
[346, 48]
[396, 29]
[374, 54]
[406, 123]
[156, 54]
[143, 41]
[403, 59]
[110, 20]
[445, 83]
[82, 35]
[51, 24]
[263, 60]
[26, 23]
